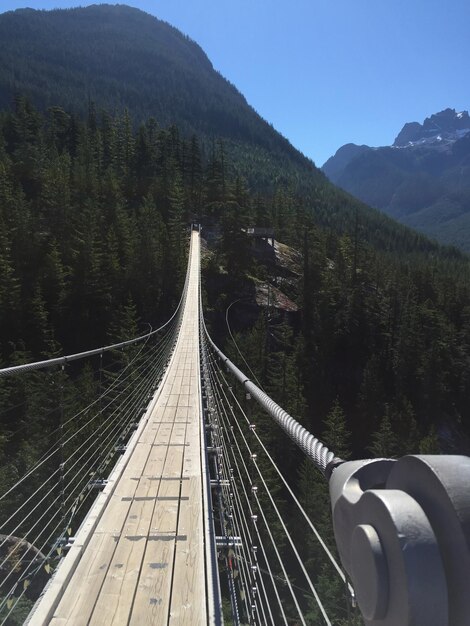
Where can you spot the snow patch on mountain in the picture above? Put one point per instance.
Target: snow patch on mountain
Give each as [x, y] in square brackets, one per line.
[443, 128]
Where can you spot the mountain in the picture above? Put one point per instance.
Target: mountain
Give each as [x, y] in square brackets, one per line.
[122, 58]
[446, 126]
[335, 165]
[422, 180]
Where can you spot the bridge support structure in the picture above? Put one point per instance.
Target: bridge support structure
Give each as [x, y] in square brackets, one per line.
[402, 528]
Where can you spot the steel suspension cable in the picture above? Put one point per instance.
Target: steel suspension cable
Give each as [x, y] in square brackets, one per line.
[99, 451]
[292, 494]
[251, 562]
[288, 583]
[246, 536]
[314, 449]
[93, 435]
[294, 597]
[286, 532]
[78, 473]
[53, 449]
[244, 574]
[236, 344]
[209, 375]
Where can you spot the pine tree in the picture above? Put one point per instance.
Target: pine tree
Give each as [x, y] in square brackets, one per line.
[55, 204]
[176, 225]
[235, 242]
[215, 181]
[335, 434]
[124, 323]
[58, 125]
[9, 293]
[109, 139]
[195, 176]
[384, 441]
[126, 153]
[151, 274]
[430, 444]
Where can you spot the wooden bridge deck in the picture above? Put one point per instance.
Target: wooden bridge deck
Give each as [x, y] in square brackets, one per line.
[144, 562]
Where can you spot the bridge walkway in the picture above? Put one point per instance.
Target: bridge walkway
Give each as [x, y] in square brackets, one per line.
[144, 562]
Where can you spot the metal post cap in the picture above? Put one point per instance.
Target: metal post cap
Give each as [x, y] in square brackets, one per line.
[369, 571]
[402, 528]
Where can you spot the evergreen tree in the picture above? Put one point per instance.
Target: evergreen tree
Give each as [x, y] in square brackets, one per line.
[235, 242]
[430, 443]
[335, 434]
[195, 176]
[176, 225]
[384, 441]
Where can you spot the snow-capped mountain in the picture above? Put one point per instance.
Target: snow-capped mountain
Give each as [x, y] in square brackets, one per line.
[441, 128]
[422, 180]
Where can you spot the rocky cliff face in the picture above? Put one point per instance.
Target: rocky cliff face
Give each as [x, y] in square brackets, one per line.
[446, 125]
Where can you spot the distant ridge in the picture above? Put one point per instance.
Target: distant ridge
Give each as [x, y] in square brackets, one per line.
[422, 180]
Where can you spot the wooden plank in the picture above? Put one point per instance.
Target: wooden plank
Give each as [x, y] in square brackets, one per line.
[117, 594]
[78, 602]
[154, 587]
[114, 603]
[79, 599]
[188, 594]
[145, 562]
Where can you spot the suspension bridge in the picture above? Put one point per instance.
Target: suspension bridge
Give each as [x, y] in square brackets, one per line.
[154, 501]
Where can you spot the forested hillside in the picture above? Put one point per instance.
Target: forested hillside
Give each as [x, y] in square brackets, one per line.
[123, 58]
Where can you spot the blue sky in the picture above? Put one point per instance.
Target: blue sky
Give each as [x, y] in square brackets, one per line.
[329, 72]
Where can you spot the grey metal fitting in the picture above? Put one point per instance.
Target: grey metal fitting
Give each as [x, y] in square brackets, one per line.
[402, 529]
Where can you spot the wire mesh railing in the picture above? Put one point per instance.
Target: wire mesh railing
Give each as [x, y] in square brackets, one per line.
[65, 424]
